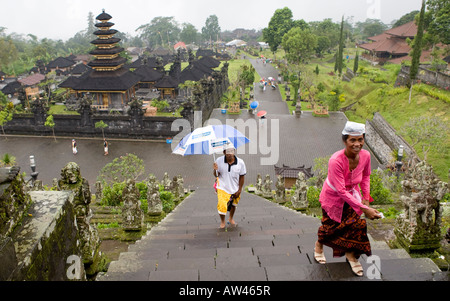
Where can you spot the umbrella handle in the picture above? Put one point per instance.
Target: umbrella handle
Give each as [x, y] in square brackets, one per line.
[214, 156]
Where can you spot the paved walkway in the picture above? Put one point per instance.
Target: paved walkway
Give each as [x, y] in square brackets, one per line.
[270, 243]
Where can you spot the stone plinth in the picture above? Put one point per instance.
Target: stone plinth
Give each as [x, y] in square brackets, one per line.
[46, 245]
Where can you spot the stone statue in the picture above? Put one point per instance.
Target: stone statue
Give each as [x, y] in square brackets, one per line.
[298, 197]
[266, 190]
[258, 184]
[14, 200]
[98, 191]
[166, 182]
[280, 191]
[418, 228]
[153, 198]
[177, 187]
[71, 180]
[132, 215]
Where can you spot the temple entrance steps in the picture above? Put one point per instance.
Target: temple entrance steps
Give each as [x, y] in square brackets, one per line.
[270, 243]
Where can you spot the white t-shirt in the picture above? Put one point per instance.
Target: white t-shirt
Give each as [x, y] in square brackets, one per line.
[229, 174]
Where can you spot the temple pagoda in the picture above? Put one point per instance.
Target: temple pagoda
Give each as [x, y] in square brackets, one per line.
[110, 84]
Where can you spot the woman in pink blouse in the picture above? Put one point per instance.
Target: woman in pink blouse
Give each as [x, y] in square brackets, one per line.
[342, 228]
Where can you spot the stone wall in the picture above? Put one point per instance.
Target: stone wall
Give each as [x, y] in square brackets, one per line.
[382, 139]
[438, 79]
[46, 245]
[75, 126]
[206, 96]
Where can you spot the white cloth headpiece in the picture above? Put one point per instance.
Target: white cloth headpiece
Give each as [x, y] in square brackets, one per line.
[354, 129]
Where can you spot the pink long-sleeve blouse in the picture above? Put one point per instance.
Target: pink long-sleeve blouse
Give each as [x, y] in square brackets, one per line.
[343, 186]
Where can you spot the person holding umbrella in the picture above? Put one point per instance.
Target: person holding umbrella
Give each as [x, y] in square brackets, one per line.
[230, 172]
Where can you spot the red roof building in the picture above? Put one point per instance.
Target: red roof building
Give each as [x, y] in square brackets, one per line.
[391, 45]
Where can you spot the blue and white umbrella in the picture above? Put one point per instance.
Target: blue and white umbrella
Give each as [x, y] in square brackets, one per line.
[210, 140]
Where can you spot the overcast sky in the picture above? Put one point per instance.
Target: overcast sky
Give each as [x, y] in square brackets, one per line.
[61, 19]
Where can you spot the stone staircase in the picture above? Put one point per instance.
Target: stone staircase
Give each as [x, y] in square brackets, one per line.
[271, 243]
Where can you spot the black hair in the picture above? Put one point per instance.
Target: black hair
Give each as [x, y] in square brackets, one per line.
[345, 137]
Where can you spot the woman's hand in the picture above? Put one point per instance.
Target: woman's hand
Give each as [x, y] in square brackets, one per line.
[371, 213]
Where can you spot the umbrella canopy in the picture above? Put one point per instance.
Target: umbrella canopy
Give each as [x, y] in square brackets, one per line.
[209, 140]
[254, 104]
[261, 113]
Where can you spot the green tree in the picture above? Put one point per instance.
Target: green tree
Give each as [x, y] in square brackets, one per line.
[323, 44]
[326, 28]
[49, 122]
[160, 31]
[6, 115]
[246, 76]
[8, 52]
[356, 63]
[189, 34]
[211, 30]
[406, 18]
[371, 27]
[417, 49]
[437, 20]
[280, 23]
[340, 53]
[101, 125]
[121, 169]
[299, 45]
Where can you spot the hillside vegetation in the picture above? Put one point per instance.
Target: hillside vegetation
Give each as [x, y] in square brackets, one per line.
[372, 90]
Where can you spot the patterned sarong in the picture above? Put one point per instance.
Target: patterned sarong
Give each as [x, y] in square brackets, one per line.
[222, 201]
[348, 236]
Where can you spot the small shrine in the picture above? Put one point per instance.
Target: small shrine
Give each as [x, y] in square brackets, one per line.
[290, 174]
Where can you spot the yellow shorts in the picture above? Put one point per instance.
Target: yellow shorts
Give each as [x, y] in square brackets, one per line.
[222, 201]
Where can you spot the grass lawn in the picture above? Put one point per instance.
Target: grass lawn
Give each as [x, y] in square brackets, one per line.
[60, 110]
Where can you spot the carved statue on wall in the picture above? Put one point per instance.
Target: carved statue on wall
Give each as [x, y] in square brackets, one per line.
[71, 180]
[419, 226]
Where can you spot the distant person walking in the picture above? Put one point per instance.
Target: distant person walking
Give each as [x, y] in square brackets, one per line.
[105, 146]
[231, 172]
[342, 228]
[74, 147]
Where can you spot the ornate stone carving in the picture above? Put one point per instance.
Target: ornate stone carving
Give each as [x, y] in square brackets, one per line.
[418, 228]
[259, 184]
[280, 191]
[298, 197]
[71, 180]
[153, 198]
[132, 215]
[266, 190]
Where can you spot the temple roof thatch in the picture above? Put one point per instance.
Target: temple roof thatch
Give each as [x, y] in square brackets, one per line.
[167, 82]
[148, 74]
[60, 62]
[119, 80]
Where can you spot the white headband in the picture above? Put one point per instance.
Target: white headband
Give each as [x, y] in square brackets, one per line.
[354, 129]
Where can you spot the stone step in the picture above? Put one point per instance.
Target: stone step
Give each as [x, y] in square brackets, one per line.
[271, 243]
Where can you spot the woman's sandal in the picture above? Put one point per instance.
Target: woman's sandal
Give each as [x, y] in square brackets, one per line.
[357, 268]
[319, 257]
